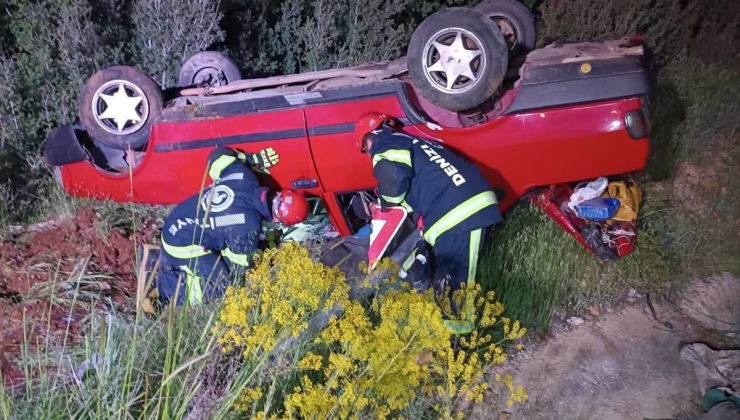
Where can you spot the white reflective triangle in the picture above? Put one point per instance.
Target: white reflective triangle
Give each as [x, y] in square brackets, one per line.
[377, 226]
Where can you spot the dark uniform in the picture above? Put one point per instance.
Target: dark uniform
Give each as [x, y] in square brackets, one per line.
[449, 194]
[209, 238]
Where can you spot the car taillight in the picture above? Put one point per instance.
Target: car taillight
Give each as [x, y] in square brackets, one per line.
[636, 124]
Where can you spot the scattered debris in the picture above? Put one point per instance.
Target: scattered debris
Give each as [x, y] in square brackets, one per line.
[632, 296]
[575, 321]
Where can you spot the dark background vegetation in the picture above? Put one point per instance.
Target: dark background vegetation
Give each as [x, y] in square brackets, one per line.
[689, 224]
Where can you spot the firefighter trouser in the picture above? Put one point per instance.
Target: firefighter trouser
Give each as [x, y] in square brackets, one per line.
[195, 280]
[455, 261]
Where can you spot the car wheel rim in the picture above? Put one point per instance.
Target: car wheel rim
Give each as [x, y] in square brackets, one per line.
[454, 60]
[210, 76]
[120, 107]
[507, 30]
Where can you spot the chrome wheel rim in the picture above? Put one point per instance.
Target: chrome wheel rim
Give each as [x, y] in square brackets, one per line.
[120, 107]
[454, 60]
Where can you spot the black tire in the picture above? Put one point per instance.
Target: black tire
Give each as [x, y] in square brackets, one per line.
[476, 34]
[108, 130]
[515, 22]
[208, 68]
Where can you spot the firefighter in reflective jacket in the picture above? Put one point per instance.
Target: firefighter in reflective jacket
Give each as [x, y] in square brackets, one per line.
[453, 200]
[209, 238]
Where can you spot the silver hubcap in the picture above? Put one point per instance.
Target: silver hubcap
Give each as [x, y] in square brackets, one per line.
[210, 76]
[454, 60]
[120, 107]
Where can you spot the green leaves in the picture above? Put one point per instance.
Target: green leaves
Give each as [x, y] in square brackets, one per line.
[167, 32]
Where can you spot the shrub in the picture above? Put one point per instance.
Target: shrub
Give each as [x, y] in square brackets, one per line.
[383, 358]
[51, 47]
[304, 35]
[168, 32]
[706, 28]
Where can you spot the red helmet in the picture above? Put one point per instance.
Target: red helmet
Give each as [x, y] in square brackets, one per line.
[367, 123]
[290, 207]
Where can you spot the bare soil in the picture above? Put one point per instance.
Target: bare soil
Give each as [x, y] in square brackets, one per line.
[625, 364]
[39, 271]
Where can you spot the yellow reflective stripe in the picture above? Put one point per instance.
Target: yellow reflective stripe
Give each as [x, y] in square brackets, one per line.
[239, 259]
[193, 292]
[467, 324]
[393, 155]
[219, 165]
[184, 252]
[409, 261]
[458, 214]
[399, 199]
[473, 256]
[394, 199]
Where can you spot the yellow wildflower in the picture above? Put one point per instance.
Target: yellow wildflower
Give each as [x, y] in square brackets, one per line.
[311, 361]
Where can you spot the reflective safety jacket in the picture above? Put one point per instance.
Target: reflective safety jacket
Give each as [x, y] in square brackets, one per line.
[225, 218]
[447, 192]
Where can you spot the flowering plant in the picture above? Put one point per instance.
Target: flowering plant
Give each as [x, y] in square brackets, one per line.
[391, 356]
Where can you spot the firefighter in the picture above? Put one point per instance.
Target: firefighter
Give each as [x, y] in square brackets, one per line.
[208, 239]
[444, 193]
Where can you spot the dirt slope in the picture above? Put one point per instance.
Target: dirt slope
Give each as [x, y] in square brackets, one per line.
[626, 364]
[39, 271]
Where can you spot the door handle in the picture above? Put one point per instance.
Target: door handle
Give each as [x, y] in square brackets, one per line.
[304, 183]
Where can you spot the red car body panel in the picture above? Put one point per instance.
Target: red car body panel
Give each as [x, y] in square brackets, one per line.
[515, 152]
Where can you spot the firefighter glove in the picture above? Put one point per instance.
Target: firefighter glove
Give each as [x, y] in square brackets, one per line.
[265, 159]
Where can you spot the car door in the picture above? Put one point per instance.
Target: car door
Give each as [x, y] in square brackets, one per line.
[330, 120]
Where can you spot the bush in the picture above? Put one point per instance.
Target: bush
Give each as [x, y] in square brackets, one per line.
[305, 35]
[705, 28]
[51, 47]
[377, 359]
[168, 32]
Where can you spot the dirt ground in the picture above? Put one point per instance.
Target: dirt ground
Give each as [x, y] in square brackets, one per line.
[40, 269]
[625, 364]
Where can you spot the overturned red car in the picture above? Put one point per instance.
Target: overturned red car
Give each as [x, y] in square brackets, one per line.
[559, 114]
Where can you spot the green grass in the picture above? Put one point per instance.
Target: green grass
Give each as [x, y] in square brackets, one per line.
[695, 153]
[537, 269]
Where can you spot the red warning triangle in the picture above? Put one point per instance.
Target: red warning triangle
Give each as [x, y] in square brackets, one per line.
[385, 225]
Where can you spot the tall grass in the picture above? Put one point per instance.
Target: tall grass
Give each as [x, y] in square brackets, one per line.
[697, 162]
[124, 368]
[537, 269]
